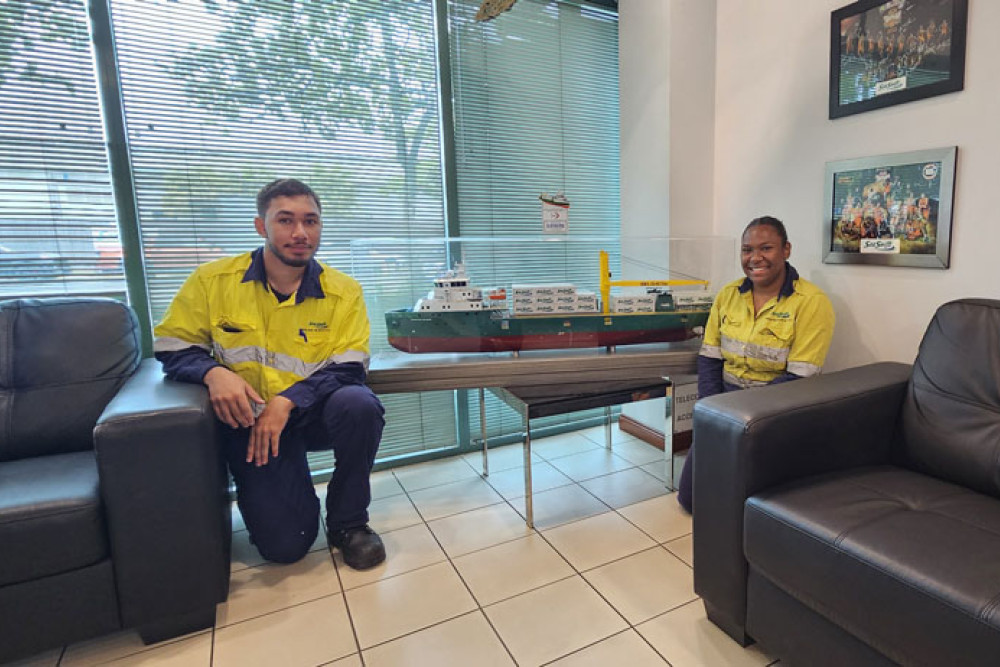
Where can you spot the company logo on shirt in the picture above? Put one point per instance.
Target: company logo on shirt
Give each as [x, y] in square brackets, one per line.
[312, 328]
[784, 316]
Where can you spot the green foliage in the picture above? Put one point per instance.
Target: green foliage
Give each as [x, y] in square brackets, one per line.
[327, 65]
[30, 32]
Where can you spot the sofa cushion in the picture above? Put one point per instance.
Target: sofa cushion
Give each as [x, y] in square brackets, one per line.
[949, 422]
[907, 563]
[50, 516]
[61, 361]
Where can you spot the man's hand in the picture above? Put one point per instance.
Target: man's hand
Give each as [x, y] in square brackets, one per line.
[266, 432]
[231, 396]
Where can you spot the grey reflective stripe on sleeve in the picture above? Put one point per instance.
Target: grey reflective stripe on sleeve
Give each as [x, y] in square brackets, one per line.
[710, 351]
[167, 344]
[284, 362]
[352, 356]
[738, 348]
[803, 369]
[742, 383]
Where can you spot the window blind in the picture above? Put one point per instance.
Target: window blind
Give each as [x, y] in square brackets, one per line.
[222, 97]
[536, 110]
[58, 234]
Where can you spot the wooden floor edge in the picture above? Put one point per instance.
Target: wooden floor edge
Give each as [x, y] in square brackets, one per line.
[648, 434]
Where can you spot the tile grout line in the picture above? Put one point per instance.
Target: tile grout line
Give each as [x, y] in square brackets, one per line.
[479, 606]
[347, 605]
[450, 559]
[622, 632]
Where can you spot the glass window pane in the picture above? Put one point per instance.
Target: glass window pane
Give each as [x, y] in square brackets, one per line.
[222, 97]
[58, 234]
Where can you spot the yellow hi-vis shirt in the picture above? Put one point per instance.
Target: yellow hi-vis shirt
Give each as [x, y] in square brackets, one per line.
[271, 345]
[791, 333]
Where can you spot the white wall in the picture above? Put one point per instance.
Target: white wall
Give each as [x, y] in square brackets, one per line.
[667, 88]
[772, 138]
[666, 51]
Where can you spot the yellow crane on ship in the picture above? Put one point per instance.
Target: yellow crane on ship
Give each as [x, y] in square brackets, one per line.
[607, 283]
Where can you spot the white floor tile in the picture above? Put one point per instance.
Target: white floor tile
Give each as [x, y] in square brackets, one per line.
[350, 661]
[455, 497]
[661, 518]
[510, 483]
[392, 513]
[406, 549]
[592, 463]
[268, 588]
[311, 633]
[466, 640]
[566, 444]
[562, 505]
[101, 650]
[597, 540]
[195, 651]
[683, 548]
[645, 584]
[626, 487]
[625, 648]
[657, 469]
[470, 531]
[686, 638]
[550, 622]
[425, 475]
[511, 568]
[596, 434]
[638, 452]
[500, 458]
[394, 607]
[384, 485]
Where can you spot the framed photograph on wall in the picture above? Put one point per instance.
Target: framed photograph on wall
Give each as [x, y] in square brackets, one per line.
[886, 52]
[893, 210]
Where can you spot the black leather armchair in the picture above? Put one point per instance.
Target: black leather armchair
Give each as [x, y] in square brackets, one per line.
[854, 518]
[113, 493]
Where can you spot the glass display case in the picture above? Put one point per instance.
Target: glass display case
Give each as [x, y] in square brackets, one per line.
[505, 293]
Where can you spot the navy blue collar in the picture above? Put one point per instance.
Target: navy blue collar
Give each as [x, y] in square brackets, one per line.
[787, 287]
[309, 287]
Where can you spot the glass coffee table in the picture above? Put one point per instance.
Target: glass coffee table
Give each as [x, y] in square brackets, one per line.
[543, 400]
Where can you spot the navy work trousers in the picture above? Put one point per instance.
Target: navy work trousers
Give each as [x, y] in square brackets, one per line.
[278, 501]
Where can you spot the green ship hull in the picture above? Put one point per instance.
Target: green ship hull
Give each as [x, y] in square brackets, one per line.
[500, 331]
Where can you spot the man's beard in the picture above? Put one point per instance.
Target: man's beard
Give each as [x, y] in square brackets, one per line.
[291, 261]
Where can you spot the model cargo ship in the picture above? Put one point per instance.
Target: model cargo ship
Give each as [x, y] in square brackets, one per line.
[458, 317]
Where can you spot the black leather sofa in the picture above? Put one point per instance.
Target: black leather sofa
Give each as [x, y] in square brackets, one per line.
[854, 518]
[113, 494]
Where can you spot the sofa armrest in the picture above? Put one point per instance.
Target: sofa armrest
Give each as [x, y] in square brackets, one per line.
[748, 441]
[164, 486]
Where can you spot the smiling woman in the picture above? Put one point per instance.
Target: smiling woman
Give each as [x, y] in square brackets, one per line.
[767, 328]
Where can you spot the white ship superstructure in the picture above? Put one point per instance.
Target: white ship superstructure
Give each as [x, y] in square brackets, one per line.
[453, 293]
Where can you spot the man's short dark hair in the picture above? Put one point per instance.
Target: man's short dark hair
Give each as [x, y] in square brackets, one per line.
[283, 187]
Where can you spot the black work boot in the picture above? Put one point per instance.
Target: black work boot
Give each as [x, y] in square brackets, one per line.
[361, 546]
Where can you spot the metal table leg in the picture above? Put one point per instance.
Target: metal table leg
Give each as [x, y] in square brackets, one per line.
[482, 426]
[529, 515]
[607, 426]
[668, 435]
